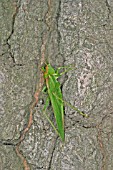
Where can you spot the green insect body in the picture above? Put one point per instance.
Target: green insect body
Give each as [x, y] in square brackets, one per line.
[53, 87]
[55, 96]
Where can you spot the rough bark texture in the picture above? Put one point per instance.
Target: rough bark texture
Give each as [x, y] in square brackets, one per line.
[61, 32]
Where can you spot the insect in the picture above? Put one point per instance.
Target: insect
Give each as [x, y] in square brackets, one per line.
[55, 97]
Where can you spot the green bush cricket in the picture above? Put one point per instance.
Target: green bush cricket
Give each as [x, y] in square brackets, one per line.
[55, 97]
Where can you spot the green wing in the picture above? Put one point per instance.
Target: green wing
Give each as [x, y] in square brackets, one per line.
[57, 104]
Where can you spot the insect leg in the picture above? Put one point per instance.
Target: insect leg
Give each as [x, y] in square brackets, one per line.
[73, 107]
[44, 89]
[44, 112]
[67, 68]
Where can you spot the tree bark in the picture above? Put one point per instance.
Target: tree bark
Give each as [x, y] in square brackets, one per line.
[62, 33]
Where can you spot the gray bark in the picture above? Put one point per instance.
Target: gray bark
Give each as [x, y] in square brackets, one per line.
[74, 32]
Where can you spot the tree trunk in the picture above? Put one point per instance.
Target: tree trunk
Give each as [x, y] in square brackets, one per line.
[62, 33]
